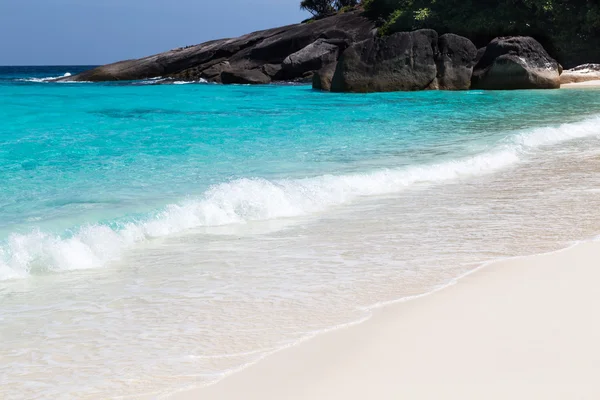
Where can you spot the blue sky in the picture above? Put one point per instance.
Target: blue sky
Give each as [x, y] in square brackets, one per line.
[62, 32]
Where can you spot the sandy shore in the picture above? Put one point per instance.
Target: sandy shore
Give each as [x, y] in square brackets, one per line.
[586, 84]
[527, 328]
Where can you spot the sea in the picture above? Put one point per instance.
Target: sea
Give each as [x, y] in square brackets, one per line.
[157, 236]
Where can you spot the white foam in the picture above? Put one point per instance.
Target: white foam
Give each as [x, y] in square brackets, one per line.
[47, 79]
[238, 201]
[201, 80]
[553, 135]
[253, 199]
[39, 80]
[160, 79]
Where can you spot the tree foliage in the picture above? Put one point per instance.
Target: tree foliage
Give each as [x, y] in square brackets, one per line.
[567, 28]
[340, 4]
[321, 8]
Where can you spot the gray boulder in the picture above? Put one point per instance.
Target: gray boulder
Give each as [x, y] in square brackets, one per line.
[402, 61]
[211, 73]
[455, 60]
[518, 62]
[312, 58]
[351, 26]
[323, 77]
[272, 70]
[480, 53]
[244, 76]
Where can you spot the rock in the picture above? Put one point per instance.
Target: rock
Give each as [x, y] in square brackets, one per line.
[322, 78]
[306, 78]
[455, 60]
[402, 61]
[480, 53]
[263, 50]
[213, 73]
[164, 64]
[312, 58]
[250, 77]
[272, 70]
[518, 62]
[352, 26]
[581, 73]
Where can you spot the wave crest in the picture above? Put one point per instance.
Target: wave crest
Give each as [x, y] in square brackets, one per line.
[253, 199]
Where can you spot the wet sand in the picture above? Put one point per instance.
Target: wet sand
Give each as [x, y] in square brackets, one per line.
[524, 328]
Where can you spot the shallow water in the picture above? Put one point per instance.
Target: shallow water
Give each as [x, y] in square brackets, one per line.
[154, 237]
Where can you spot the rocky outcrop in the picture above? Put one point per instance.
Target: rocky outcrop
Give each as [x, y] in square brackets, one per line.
[313, 57]
[454, 61]
[323, 77]
[402, 61]
[480, 53]
[245, 76]
[285, 53]
[582, 73]
[211, 73]
[343, 53]
[515, 63]
[272, 70]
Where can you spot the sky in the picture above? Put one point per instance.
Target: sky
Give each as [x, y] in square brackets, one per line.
[92, 32]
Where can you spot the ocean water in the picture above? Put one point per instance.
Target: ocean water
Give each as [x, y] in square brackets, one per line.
[155, 237]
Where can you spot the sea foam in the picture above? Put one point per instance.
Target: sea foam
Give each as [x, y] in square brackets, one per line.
[45, 80]
[254, 199]
[552, 135]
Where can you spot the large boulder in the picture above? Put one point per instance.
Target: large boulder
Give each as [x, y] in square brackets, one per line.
[455, 60]
[323, 77]
[211, 73]
[515, 63]
[351, 26]
[480, 53]
[246, 77]
[402, 61]
[313, 57]
[272, 70]
[581, 73]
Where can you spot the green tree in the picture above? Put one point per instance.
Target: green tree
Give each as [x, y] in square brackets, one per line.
[340, 4]
[317, 8]
[321, 8]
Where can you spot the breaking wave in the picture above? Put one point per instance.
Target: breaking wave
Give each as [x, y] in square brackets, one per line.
[254, 199]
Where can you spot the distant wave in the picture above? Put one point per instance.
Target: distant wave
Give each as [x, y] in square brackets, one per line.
[168, 81]
[253, 199]
[42, 80]
[150, 81]
[199, 80]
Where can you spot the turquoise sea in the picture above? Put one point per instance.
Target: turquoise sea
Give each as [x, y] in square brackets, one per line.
[158, 235]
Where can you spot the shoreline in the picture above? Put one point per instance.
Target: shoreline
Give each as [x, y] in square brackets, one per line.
[408, 343]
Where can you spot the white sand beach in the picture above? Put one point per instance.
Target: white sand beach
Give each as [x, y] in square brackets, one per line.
[525, 328]
[586, 84]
